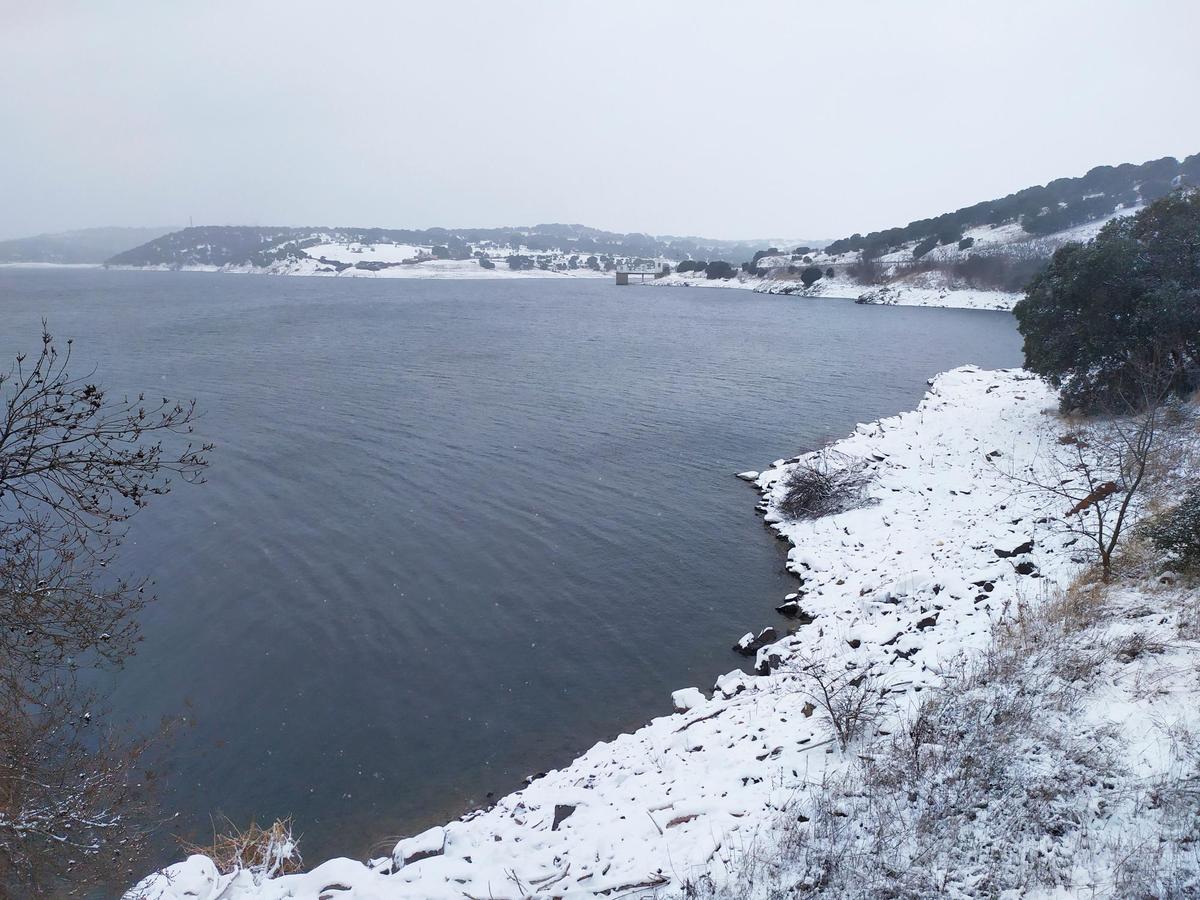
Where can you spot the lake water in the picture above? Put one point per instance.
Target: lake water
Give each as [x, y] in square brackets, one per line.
[454, 533]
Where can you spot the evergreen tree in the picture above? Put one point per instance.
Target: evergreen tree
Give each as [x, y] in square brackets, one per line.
[1106, 315]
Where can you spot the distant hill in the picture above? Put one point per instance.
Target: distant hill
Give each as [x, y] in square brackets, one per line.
[547, 246]
[1040, 210]
[978, 256]
[87, 245]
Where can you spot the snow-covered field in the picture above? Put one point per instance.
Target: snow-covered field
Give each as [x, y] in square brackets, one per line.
[906, 590]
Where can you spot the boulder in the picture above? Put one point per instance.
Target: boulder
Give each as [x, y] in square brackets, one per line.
[431, 842]
[748, 644]
[767, 661]
[793, 610]
[561, 812]
[731, 683]
[1019, 550]
[688, 698]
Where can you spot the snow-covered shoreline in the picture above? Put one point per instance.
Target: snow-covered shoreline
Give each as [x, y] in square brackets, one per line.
[446, 270]
[840, 287]
[49, 265]
[449, 270]
[906, 585]
[456, 270]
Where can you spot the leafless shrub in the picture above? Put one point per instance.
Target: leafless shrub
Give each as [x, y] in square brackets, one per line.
[1010, 269]
[73, 791]
[1136, 645]
[866, 271]
[828, 483]
[851, 699]
[1106, 469]
[77, 460]
[75, 465]
[263, 852]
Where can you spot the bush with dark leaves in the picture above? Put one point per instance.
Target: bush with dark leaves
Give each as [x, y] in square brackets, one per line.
[1176, 532]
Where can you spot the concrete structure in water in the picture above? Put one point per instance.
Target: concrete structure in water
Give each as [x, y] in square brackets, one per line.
[623, 274]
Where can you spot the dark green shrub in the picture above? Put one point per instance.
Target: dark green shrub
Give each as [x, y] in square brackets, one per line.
[718, 268]
[949, 233]
[810, 276]
[1106, 315]
[1153, 189]
[925, 246]
[1176, 532]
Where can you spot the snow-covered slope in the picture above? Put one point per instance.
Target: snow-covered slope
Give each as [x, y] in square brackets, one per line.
[355, 259]
[545, 249]
[902, 587]
[933, 280]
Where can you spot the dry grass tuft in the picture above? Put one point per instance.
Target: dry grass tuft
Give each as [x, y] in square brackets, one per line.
[264, 852]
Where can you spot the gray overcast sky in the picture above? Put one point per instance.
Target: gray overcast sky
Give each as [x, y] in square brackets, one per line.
[739, 119]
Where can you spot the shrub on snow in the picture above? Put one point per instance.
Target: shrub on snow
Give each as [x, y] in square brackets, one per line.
[828, 483]
[1176, 532]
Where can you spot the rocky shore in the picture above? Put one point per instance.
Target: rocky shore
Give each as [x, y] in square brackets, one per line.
[903, 589]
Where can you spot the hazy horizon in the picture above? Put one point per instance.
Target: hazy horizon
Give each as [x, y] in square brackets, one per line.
[771, 121]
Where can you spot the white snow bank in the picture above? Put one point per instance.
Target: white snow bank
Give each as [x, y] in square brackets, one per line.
[897, 293]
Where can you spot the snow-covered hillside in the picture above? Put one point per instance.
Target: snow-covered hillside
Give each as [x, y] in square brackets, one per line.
[941, 277]
[357, 259]
[908, 596]
[541, 250]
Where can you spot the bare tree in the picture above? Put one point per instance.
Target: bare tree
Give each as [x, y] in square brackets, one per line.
[1102, 466]
[74, 793]
[74, 461]
[852, 699]
[75, 465]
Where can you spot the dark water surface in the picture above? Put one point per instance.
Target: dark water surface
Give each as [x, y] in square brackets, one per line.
[456, 532]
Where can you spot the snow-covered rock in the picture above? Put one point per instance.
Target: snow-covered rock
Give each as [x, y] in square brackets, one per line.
[431, 842]
[688, 698]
